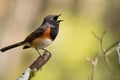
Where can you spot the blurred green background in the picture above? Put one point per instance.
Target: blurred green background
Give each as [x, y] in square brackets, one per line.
[74, 42]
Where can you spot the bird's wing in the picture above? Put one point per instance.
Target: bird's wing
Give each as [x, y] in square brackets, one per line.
[37, 33]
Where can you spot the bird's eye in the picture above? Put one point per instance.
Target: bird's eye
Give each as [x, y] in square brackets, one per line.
[52, 19]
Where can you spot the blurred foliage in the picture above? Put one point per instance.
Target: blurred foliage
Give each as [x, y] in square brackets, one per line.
[75, 41]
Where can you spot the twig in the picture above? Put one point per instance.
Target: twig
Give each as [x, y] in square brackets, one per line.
[94, 62]
[107, 51]
[100, 39]
[103, 50]
[112, 48]
[35, 66]
[118, 52]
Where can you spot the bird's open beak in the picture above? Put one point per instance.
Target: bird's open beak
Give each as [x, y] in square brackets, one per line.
[58, 21]
[56, 17]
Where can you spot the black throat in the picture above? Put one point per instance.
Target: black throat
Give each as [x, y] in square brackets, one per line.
[54, 32]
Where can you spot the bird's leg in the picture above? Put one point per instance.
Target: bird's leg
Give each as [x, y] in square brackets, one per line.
[37, 51]
[44, 49]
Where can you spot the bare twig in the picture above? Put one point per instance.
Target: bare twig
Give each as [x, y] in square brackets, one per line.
[109, 64]
[112, 48]
[35, 66]
[118, 52]
[95, 35]
[107, 51]
[101, 40]
[94, 62]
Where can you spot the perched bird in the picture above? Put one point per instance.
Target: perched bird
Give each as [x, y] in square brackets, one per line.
[43, 36]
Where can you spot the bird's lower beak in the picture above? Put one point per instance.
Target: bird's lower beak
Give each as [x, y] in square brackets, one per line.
[58, 21]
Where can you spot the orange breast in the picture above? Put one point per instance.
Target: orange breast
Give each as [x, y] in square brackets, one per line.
[39, 40]
[46, 33]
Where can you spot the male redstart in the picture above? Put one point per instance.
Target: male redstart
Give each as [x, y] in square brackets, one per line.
[43, 36]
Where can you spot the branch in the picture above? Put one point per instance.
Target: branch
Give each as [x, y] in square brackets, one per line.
[108, 51]
[112, 48]
[100, 39]
[103, 50]
[94, 62]
[35, 66]
[118, 52]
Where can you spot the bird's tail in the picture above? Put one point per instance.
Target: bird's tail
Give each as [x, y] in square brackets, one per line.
[11, 46]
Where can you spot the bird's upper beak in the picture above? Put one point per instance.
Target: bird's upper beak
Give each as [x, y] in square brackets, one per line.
[59, 15]
[57, 18]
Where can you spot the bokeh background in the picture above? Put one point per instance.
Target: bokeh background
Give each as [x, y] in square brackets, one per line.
[18, 18]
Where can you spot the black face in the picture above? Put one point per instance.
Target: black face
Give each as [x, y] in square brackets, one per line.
[52, 19]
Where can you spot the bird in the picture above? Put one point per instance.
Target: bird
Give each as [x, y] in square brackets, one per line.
[41, 37]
